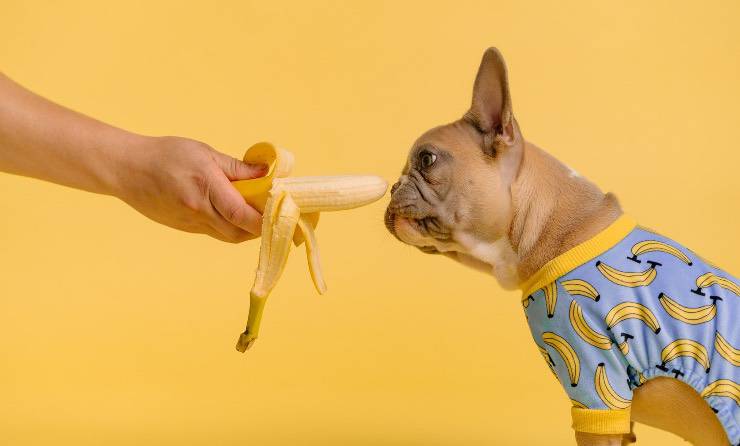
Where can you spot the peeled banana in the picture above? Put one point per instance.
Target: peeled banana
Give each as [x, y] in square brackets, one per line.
[290, 210]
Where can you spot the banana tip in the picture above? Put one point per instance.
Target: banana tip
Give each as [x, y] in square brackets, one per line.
[244, 343]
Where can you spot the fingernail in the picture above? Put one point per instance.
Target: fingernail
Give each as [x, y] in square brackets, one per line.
[258, 167]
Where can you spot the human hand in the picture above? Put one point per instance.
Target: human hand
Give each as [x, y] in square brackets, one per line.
[185, 184]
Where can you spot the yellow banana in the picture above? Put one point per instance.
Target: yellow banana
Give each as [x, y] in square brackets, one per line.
[628, 279]
[723, 387]
[654, 245]
[709, 279]
[693, 316]
[526, 300]
[632, 310]
[290, 211]
[726, 350]
[551, 298]
[572, 363]
[641, 378]
[578, 287]
[624, 346]
[686, 347]
[578, 404]
[585, 331]
[606, 392]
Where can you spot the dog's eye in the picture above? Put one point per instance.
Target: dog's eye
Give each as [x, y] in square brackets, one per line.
[427, 159]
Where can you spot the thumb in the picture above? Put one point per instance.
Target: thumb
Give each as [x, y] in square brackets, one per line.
[235, 169]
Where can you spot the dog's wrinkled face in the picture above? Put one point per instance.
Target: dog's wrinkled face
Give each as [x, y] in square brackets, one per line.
[447, 183]
[454, 192]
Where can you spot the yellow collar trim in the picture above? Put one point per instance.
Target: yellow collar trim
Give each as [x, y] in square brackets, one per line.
[579, 254]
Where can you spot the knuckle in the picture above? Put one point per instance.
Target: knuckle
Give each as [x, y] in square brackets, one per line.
[235, 214]
[236, 236]
[195, 144]
[190, 203]
[234, 166]
[202, 184]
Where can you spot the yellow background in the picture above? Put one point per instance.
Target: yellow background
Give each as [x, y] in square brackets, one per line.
[118, 331]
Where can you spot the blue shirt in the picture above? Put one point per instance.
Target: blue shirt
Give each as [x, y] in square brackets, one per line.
[630, 305]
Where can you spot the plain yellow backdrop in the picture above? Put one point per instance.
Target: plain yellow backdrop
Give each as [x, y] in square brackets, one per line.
[117, 331]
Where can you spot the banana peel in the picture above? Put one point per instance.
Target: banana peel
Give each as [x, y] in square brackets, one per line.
[290, 209]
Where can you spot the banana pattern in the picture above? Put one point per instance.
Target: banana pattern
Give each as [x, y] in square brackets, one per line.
[642, 278]
[632, 310]
[688, 348]
[726, 350]
[578, 404]
[567, 353]
[551, 299]
[647, 246]
[588, 334]
[709, 279]
[578, 287]
[526, 301]
[725, 388]
[631, 305]
[694, 316]
[606, 392]
[624, 346]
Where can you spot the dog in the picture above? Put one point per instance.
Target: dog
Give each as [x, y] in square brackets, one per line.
[636, 327]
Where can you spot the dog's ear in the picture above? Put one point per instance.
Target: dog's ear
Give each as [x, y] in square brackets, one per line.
[491, 112]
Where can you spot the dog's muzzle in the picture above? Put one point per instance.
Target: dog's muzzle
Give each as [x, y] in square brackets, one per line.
[408, 203]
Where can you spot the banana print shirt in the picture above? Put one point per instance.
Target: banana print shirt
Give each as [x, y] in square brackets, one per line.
[629, 305]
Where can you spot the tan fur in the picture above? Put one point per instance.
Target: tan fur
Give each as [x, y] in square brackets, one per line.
[508, 208]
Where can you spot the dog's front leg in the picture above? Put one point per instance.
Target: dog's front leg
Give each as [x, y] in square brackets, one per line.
[585, 439]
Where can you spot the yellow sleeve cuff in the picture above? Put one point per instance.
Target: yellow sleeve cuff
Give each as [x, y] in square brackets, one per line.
[598, 421]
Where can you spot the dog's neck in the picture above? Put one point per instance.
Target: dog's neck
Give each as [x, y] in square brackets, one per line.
[554, 208]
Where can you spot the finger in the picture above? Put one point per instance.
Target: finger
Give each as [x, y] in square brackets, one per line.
[238, 170]
[219, 228]
[232, 207]
[211, 232]
[232, 237]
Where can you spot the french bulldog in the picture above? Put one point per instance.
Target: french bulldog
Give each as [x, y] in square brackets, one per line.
[476, 191]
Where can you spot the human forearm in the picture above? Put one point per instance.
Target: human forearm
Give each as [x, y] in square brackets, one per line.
[43, 140]
[175, 181]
